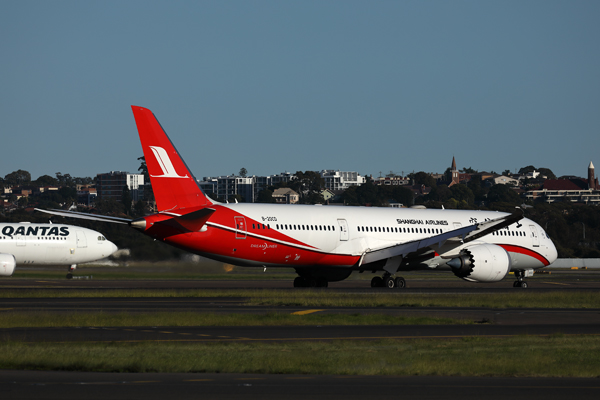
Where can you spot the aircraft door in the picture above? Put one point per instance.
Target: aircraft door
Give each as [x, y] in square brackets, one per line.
[534, 236]
[344, 234]
[240, 227]
[81, 239]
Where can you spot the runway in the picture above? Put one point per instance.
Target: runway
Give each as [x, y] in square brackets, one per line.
[237, 305]
[21, 385]
[286, 333]
[563, 281]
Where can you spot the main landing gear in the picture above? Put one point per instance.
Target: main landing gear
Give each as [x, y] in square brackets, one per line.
[520, 274]
[71, 269]
[310, 282]
[388, 281]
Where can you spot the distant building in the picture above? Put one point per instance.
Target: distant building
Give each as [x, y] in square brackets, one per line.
[571, 189]
[341, 180]
[592, 181]
[111, 184]
[86, 195]
[286, 196]
[504, 180]
[263, 182]
[454, 178]
[391, 181]
[228, 186]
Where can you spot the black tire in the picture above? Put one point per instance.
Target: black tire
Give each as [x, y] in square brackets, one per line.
[377, 282]
[69, 276]
[299, 282]
[524, 285]
[516, 284]
[389, 282]
[400, 282]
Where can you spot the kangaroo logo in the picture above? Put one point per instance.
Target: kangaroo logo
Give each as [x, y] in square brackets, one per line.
[165, 164]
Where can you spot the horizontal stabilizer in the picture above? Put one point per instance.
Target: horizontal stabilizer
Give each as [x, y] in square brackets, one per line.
[92, 217]
[190, 222]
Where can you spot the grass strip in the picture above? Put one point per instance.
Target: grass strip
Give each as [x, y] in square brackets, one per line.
[518, 356]
[39, 319]
[323, 298]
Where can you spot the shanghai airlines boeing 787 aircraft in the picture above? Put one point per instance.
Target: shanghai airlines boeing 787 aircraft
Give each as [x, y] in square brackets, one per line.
[26, 243]
[325, 244]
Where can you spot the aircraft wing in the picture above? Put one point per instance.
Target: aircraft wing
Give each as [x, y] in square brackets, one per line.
[92, 217]
[461, 235]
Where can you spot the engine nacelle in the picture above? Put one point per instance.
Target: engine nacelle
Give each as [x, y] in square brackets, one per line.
[7, 264]
[481, 263]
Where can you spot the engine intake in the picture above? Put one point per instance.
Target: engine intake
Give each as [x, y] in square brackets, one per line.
[481, 263]
[7, 264]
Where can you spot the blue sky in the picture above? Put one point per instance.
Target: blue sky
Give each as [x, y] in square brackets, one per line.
[277, 86]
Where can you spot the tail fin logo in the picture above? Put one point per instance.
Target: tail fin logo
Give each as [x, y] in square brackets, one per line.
[165, 164]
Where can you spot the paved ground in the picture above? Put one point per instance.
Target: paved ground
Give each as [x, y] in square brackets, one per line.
[285, 333]
[228, 305]
[589, 280]
[505, 322]
[33, 385]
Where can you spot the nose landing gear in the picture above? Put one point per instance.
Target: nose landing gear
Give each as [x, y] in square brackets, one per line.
[71, 269]
[520, 274]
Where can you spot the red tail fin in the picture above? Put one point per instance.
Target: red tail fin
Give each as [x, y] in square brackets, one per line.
[173, 184]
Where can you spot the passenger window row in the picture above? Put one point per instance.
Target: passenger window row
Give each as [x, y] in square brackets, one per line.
[398, 230]
[508, 233]
[257, 226]
[293, 227]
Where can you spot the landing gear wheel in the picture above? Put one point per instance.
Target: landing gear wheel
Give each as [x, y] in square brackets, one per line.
[523, 285]
[389, 282]
[322, 282]
[69, 276]
[377, 282]
[299, 282]
[516, 284]
[400, 282]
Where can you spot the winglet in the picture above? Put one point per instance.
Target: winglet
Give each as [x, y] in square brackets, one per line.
[173, 184]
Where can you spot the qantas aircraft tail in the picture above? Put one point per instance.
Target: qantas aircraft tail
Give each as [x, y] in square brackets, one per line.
[173, 184]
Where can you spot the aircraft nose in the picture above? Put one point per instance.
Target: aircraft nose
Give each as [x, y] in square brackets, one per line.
[113, 248]
[552, 253]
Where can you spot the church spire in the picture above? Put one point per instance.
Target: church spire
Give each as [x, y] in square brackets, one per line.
[454, 172]
[592, 182]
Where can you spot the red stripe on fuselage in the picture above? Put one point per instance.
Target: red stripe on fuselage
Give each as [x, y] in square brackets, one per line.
[525, 251]
[226, 217]
[250, 246]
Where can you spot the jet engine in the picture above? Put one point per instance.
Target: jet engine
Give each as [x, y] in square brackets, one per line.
[481, 263]
[7, 264]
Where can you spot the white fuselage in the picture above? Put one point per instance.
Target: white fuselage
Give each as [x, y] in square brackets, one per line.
[53, 244]
[352, 231]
